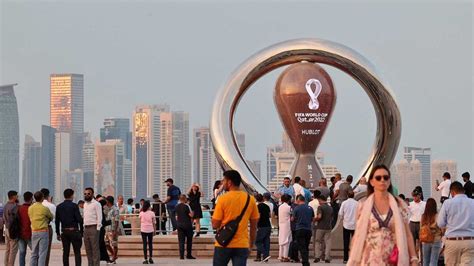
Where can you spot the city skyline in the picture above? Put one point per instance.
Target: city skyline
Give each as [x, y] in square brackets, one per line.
[121, 73]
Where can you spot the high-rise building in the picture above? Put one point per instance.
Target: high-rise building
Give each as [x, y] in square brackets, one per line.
[406, 175]
[256, 166]
[48, 148]
[438, 168]
[424, 156]
[240, 137]
[147, 150]
[62, 163]
[181, 156]
[283, 162]
[118, 128]
[127, 178]
[88, 159]
[271, 161]
[9, 141]
[206, 169]
[67, 111]
[166, 154]
[31, 180]
[74, 181]
[108, 174]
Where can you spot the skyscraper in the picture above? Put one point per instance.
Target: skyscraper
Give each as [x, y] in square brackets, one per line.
[88, 158]
[206, 169]
[9, 141]
[166, 154]
[240, 137]
[424, 156]
[438, 168]
[118, 128]
[67, 111]
[48, 147]
[31, 176]
[147, 150]
[256, 166]
[62, 163]
[127, 178]
[108, 174]
[407, 175]
[181, 156]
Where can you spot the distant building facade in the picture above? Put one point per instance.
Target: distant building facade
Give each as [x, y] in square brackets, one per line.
[423, 155]
[9, 141]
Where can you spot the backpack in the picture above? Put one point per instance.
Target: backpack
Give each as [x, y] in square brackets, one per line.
[14, 224]
[426, 235]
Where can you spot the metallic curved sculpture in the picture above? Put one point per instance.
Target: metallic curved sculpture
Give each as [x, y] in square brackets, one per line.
[289, 52]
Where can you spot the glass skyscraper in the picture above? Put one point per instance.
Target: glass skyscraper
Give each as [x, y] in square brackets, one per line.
[118, 128]
[9, 141]
[67, 111]
[424, 156]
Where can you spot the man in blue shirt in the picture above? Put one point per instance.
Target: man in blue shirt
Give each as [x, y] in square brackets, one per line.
[303, 215]
[457, 216]
[172, 198]
[286, 188]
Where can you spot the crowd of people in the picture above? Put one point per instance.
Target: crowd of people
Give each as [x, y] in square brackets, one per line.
[379, 229]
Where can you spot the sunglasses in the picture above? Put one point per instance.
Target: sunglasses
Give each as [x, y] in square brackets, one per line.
[379, 177]
[87, 194]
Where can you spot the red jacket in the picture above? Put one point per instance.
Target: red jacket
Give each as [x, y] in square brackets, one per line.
[25, 223]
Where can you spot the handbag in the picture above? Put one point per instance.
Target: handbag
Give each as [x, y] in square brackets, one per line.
[393, 259]
[225, 234]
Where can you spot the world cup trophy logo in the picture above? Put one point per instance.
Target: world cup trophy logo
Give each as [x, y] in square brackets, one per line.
[305, 123]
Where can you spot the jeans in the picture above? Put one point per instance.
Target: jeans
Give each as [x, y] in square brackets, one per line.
[22, 244]
[222, 256]
[346, 236]
[39, 249]
[50, 235]
[172, 214]
[185, 235]
[147, 238]
[74, 238]
[303, 237]
[431, 253]
[263, 242]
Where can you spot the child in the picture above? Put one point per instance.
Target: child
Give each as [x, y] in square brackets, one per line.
[184, 216]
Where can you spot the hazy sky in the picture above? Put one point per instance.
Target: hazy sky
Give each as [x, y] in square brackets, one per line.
[181, 53]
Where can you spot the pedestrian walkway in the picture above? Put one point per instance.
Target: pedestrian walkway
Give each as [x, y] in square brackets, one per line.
[56, 259]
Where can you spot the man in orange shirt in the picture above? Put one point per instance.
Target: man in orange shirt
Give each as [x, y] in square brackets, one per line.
[228, 208]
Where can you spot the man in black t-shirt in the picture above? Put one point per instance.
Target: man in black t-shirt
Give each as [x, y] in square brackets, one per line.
[264, 229]
[184, 216]
[468, 185]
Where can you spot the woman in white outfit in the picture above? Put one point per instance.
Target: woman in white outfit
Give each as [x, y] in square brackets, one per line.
[284, 236]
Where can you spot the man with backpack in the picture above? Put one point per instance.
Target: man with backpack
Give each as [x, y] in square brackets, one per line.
[12, 229]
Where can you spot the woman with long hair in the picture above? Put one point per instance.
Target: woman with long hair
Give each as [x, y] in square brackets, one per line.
[382, 235]
[194, 196]
[216, 189]
[431, 250]
[147, 229]
[284, 225]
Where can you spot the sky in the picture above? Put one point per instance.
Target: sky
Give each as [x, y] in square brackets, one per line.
[152, 52]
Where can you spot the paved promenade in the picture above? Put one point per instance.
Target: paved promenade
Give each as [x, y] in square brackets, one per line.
[56, 259]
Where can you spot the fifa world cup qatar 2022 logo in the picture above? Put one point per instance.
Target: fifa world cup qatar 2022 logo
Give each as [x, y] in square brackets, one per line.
[305, 122]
